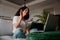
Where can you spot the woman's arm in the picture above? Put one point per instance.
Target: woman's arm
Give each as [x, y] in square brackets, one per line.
[19, 18]
[17, 24]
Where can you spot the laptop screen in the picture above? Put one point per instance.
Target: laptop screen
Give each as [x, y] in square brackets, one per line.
[51, 23]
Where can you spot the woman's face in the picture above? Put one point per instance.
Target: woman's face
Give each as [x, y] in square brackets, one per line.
[25, 12]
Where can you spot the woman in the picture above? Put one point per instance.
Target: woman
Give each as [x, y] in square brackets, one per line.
[19, 22]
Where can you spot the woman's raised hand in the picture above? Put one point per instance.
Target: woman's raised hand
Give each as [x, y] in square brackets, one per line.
[21, 14]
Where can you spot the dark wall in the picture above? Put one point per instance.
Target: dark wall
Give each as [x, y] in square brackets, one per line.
[58, 21]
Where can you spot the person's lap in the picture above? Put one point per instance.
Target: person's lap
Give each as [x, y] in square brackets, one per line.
[19, 34]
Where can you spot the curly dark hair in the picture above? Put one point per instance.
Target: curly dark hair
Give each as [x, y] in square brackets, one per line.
[23, 8]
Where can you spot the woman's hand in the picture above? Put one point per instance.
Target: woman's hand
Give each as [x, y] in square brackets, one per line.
[21, 14]
[26, 30]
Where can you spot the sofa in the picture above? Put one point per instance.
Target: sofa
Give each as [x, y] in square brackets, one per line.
[54, 35]
[6, 30]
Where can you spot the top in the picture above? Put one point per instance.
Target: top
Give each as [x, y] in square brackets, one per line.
[22, 24]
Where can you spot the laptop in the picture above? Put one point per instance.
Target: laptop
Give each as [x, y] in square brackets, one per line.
[51, 23]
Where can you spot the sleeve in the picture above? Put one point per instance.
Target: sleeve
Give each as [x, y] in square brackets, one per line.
[15, 19]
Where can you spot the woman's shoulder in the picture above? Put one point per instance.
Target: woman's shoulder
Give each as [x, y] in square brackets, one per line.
[15, 17]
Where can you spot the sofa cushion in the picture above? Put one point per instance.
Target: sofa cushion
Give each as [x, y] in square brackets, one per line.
[44, 36]
[5, 37]
[5, 27]
[9, 38]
